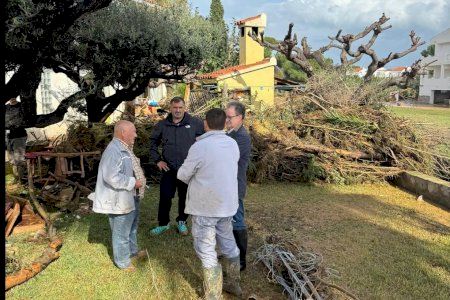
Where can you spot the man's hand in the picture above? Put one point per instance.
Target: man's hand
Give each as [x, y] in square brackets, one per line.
[162, 165]
[138, 184]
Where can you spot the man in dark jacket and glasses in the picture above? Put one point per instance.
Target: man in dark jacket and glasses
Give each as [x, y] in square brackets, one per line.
[235, 114]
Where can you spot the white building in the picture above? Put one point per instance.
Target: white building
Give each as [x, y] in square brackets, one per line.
[357, 71]
[435, 84]
[389, 73]
[54, 87]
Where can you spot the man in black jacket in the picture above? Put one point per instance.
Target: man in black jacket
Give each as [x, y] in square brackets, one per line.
[235, 125]
[175, 134]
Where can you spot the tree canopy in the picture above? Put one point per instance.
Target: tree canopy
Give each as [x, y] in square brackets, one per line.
[123, 44]
[428, 52]
[221, 52]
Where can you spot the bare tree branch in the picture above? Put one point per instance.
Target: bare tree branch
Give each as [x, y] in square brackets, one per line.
[287, 47]
[300, 55]
[377, 63]
[347, 40]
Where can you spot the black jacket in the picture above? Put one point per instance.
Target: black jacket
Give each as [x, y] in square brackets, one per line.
[175, 139]
[243, 140]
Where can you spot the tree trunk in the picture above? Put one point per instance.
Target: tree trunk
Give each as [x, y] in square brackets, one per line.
[50, 254]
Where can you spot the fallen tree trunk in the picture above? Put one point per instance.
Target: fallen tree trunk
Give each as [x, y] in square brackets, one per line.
[51, 231]
[341, 152]
[50, 254]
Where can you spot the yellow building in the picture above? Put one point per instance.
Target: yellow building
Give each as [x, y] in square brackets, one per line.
[254, 75]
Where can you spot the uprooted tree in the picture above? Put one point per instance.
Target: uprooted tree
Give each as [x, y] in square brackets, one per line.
[303, 54]
[336, 128]
[123, 44]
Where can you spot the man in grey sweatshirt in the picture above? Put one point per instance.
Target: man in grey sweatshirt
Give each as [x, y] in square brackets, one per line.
[210, 170]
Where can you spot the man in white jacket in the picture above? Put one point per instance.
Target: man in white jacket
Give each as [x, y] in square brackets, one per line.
[120, 185]
[210, 170]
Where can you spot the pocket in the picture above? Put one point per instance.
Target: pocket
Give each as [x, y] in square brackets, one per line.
[203, 227]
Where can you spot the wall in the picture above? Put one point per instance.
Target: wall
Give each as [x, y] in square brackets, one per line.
[249, 50]
[261, 83]
[432, 188]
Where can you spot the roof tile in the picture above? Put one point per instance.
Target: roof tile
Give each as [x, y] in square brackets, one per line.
[229, 70]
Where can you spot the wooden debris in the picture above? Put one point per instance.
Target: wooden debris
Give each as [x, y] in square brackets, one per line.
[40, 209]
[26, 220]
[12, 219]
[30, 222]
[79, 186]
[299, 272]
[50, 254]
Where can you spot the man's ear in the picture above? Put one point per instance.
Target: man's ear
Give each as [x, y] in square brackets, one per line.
[205, 125]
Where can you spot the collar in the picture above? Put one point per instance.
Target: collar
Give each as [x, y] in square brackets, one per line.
[235, 129]
[183, 121]
[211, 133]
[127, 148]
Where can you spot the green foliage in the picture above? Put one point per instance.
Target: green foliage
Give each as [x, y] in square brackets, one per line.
[127, 38]
[220, 53]
[429, 51]
[122, 45]
[290, 70]
[179, 90]
[268, 52]
[312, 171]
[233, 46]
[216, 12]
[350, 122]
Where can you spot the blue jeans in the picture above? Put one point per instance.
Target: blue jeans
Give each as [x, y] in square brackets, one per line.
[209, 230]
[238, 218]
[124, 236]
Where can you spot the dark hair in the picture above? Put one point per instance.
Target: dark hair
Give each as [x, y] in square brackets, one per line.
[177, 100]
[238, 107]
[215, 118]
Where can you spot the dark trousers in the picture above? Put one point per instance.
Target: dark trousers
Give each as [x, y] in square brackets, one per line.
[167, 188]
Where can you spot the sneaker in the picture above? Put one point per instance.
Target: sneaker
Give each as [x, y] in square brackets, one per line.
[182, 228]
[159, 229]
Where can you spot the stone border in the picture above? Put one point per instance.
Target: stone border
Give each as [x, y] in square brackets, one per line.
[432, 188]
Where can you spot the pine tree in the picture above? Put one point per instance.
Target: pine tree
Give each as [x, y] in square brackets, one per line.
[216, 18]
[216, 13]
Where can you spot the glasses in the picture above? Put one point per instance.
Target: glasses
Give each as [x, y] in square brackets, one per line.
[231, 117]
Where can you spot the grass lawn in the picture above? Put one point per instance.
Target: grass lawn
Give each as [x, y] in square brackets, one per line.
[385, 244]
[433, 123]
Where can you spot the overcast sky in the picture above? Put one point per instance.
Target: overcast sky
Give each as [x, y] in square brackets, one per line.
[317, 19]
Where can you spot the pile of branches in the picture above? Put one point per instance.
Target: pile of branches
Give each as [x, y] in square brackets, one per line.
[337, 130]
[84, 137]
[301, 273]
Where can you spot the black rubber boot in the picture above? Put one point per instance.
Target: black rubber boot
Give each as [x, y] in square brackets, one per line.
[241, 240]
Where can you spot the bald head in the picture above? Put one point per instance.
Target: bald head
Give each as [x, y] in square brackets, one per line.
[125, 131]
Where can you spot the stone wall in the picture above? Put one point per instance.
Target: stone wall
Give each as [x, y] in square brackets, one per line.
[432, 188]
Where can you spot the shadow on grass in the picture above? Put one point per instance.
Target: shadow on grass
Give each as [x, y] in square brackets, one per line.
[385, 247]
[381, 249]
[172, 252]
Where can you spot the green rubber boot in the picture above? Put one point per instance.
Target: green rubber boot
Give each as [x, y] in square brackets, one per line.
[212, 283]
[233, 276]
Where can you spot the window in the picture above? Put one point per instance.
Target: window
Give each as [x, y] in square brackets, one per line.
[255, 30]
[447, 71]
[242, 31]
[430, 73]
